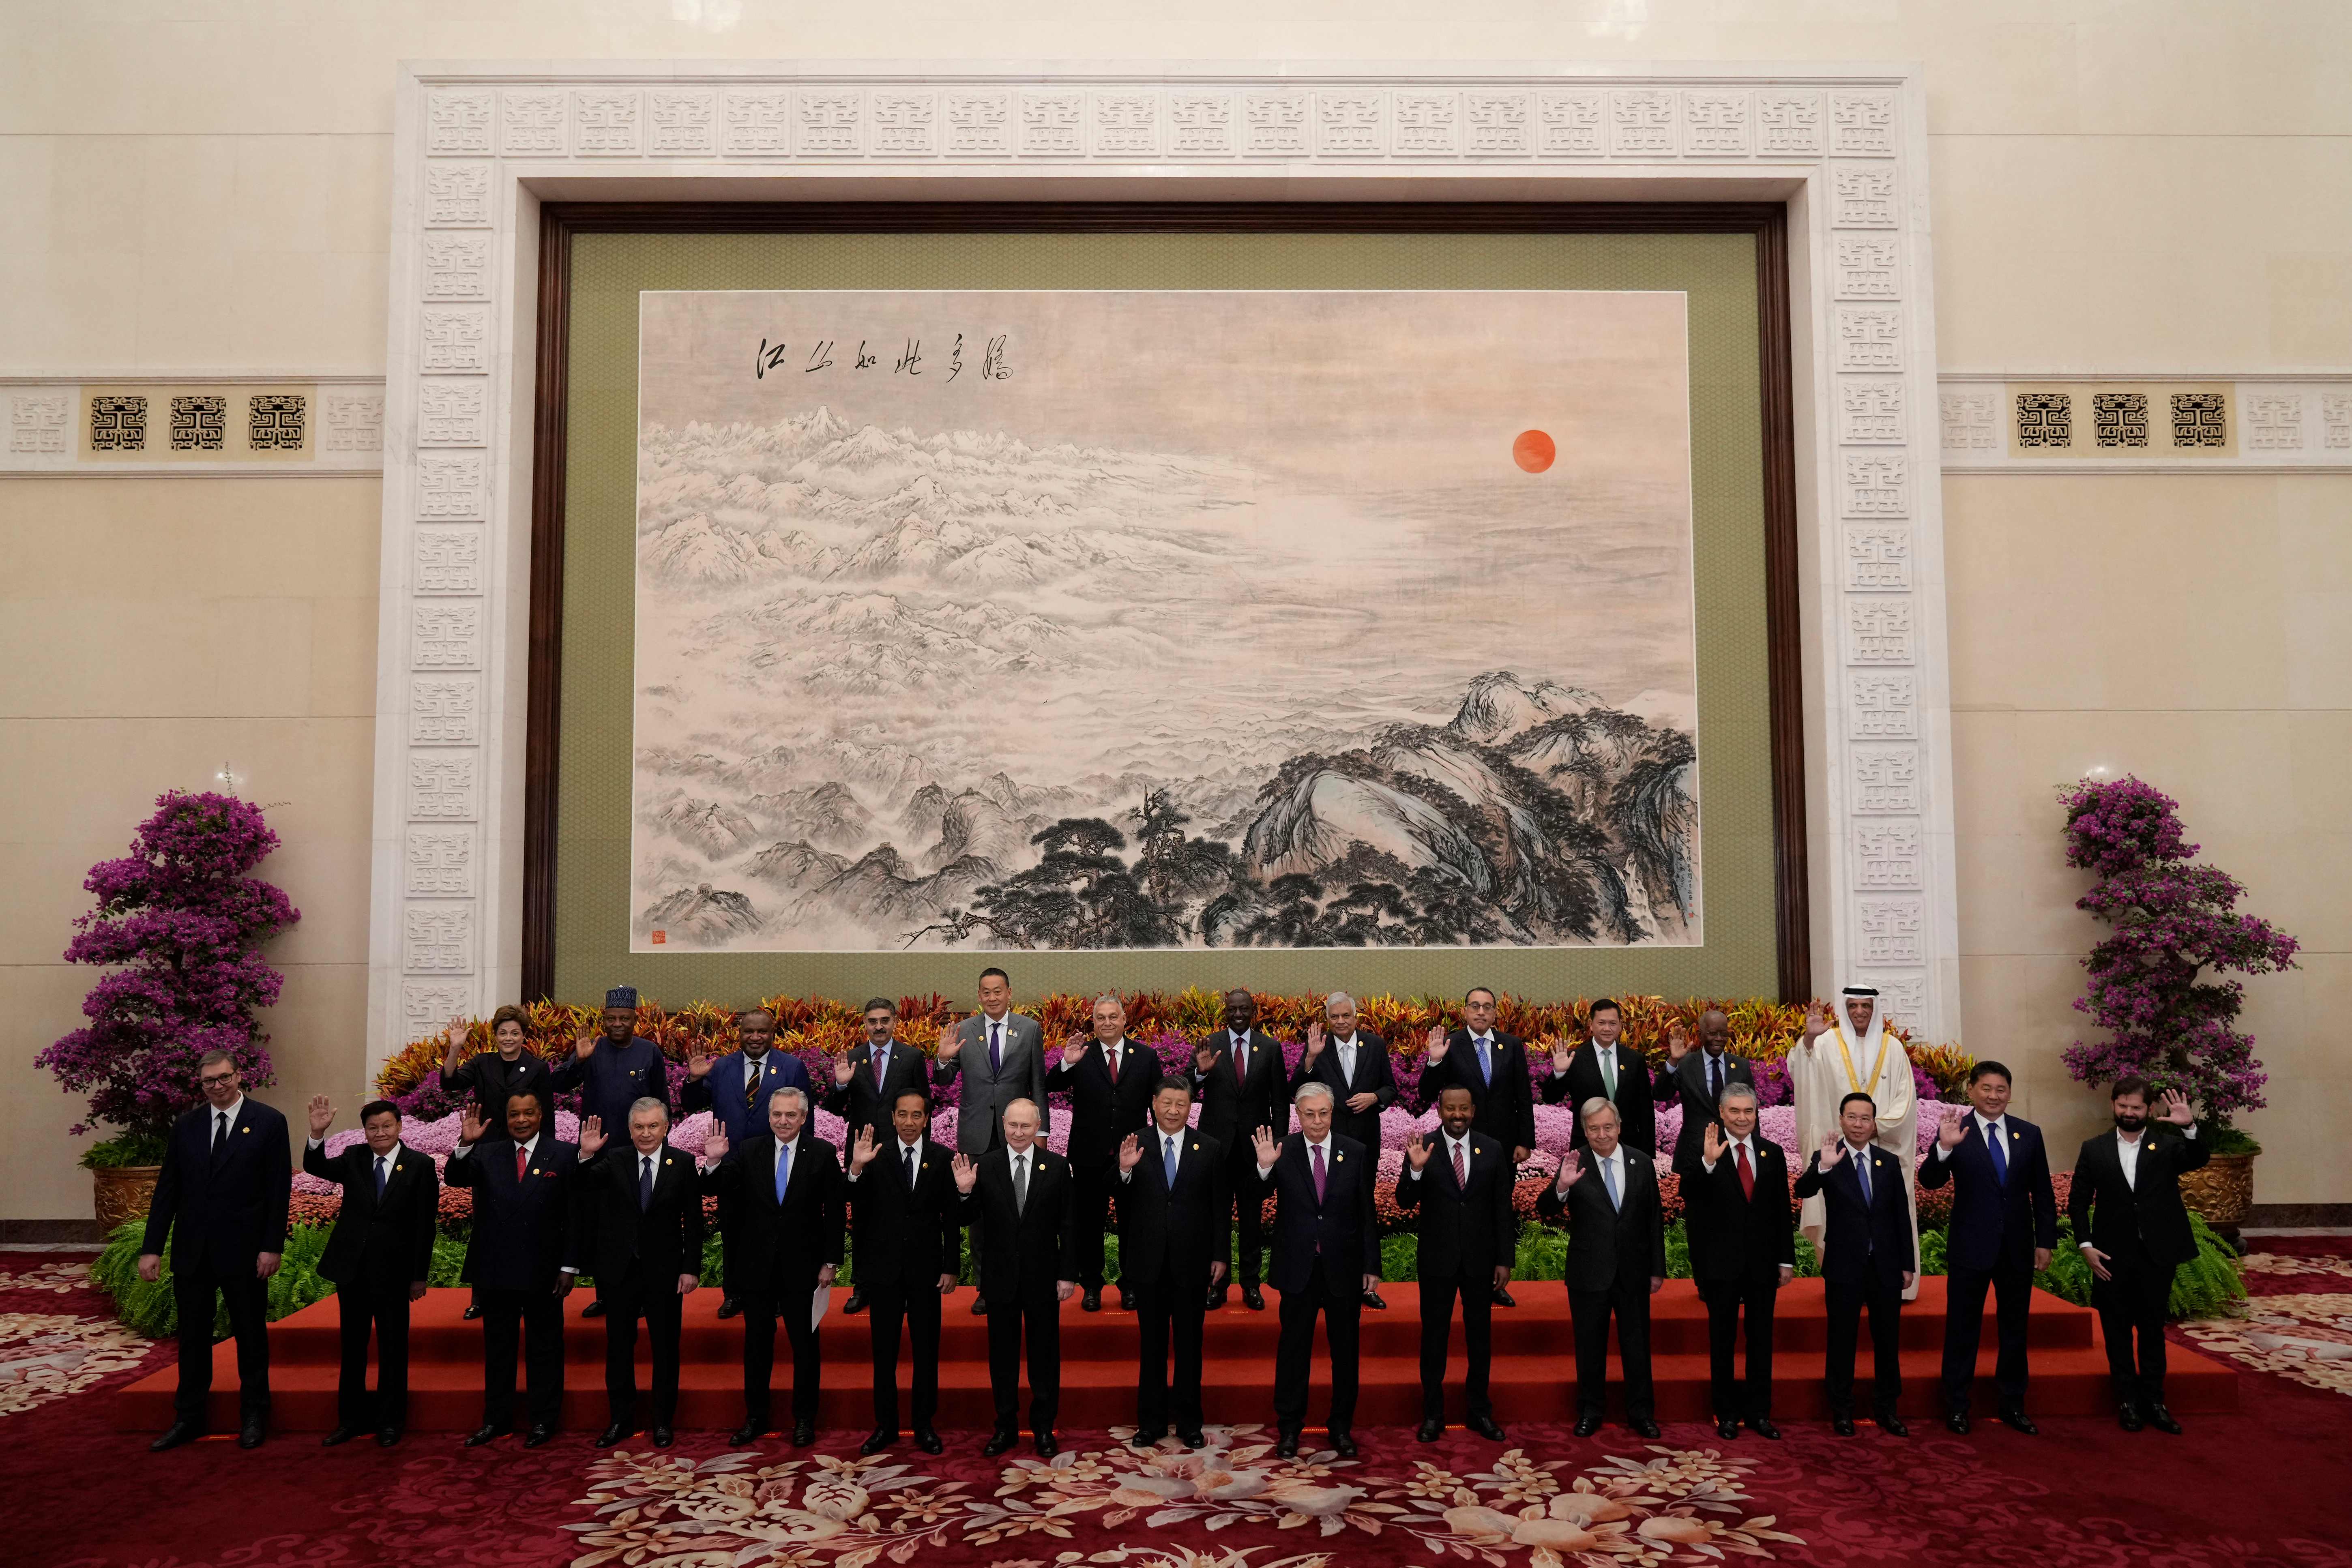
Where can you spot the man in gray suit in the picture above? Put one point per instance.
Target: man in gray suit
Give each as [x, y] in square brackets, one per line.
[1002, 1059]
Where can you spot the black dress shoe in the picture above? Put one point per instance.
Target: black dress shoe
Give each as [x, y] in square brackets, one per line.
[1726, 1428]
[2019, 1421]
[1192, 1439]
[1372, 1300]
[1762, 1426]
[471, 1312]
[803, 1434]
[876, 1441]
[856, 1302]
[1486, 1426]
[1586, 1426]
[1343, 1445]
[387, 1438]
[2157, 1416]
[1253, 1298]
[1286, 1446]
[979, 1306]
[1428, 1432]
[1126, 1302]
[728, 1305]
[539, 1436]
[1843, 1426]
[249, 1436]
[1091, 1301]
[1958, 1422]
[927, 1440]
[1503, 1296]
[485, 1434]
[747, 1433]
[618, 1432]
[1645, 1425]
[2127, 1417]
[339, 1437]
[1046, 1446]
[1891, 1425]
[998, 1441]
[177, 1433]
[1216, 1301]
[1145, 1437]
[664, 1436]
[592, 1309]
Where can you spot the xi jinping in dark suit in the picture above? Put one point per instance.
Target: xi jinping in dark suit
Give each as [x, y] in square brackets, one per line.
[638, 1227]
[1020, 1200]
[221, 1197]
[518, 1260]
[1326, 1257]
[2004, 1223]
[377, 1259]
[1616, 1262]
[1868, 1261]
[1459, 1190]
[1743, 1250]
[903, 1196]
[1172, 1250]
[1111, 1080]
[2134, 1231]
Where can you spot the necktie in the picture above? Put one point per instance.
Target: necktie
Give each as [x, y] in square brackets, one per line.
[379, 1178]
[1608, 1060]
[1020, 1183]
[1461, 1169]
[1747, 1171]
[645, 1180]
[1241, 1058]
[1714, 1080]
[522, 1162]
[911, 1168]
[751, 1086]
[220, 1129]
[996, 1048]
[881, 1067]
[783, 1170]
[1168, 1160]
[1860, 1159]
[1999, 1155]
[1486, 1061]
[1114, 1064]
[1609, 1180]
[1317, 1151]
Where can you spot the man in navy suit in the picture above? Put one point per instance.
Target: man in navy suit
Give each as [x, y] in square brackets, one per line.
[2004, 1223]
[1239, 1074]
[1493, 1066]
[1172, 1243]
[1326, 1258]
[377, 1259]
[221, 1197]
[1111, 1080]
[1354, 1066]
[1867, 1261]
[736, 1089]
[613, 1069]
[521, 1180]
[1459, 1190]
[1016, 1198]
[637, 1226]
[1743, 1250]
[867, 1081]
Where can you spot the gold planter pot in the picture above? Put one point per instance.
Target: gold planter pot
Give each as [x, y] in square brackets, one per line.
[2222, 1189]
[123, 1192]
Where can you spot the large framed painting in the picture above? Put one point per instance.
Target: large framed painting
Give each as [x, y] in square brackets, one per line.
[1390, 599]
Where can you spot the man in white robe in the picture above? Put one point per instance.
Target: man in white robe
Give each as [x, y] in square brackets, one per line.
[1856, 1055]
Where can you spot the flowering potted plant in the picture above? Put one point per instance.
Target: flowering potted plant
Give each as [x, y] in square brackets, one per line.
[178, 921]
[2171, 922]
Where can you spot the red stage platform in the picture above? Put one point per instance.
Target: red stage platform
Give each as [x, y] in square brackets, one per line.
[1533, 1378]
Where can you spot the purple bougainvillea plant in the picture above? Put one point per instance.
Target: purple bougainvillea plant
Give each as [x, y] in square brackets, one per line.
[179, 920]
[2171, 923]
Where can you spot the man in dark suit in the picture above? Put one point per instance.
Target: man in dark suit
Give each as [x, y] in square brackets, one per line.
[1019, 1199]
[1697, 1079]
[1604, 1067]
[737, 1090]
[638, 1228]
[613, 1069]
[1459, 1192]
[1355, 1067]
[1173, 1248]
[1327, 1257]
[1111, 1080]
[782, 1204]
[1743, 1250]
[377, 1259]
[1493, 1066]
[910, 1248]
[516, 1261]
[1867, 1261]
[1239, 1074]
[867, 1082]
[2004, 1223]
[2133, 1232]
[1616, 1262]
[221, 1199]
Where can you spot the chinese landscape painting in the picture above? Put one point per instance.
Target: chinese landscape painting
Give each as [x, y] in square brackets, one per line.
[1073, 619]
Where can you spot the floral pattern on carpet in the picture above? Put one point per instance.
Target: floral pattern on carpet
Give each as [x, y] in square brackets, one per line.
[1673, 1506]
[46, 1356]
[2273, 1265]
[2305, 1338]
[55, 1278]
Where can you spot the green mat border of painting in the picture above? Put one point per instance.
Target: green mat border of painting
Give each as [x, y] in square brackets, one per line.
[1758, 433]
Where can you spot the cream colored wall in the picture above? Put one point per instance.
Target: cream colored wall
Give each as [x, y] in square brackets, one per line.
[2118, 186]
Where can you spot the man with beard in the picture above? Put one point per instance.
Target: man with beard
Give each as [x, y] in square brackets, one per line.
[1111, 1080]
[1837, 1060]
[1460, 1193]
[1734, 1186]
[1493, 1066]
[2133, 1232]
[1356, 1068]
[738, 1090]
[1238, 1075]
[1172, 1242]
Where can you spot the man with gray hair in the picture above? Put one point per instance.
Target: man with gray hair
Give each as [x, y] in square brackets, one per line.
[1326, 1259]
[1616, 1262]
[638, 1229]
[1354, 1066]
[1111, 1080]
[1743, 1250]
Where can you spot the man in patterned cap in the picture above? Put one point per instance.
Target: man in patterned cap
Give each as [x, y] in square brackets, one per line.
[613, 1069]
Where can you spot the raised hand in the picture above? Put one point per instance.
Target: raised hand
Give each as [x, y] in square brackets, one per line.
[456, 1036]
[592, 1135]
[1436, 1044]
[586, 1046]
[861, 1155]
[1073, 1050]
[1562, 1053]
[1262, 1145]
[697, 1064]
[470, 1127]
[1416, 1150]
[1677, 1043]
[844, 1069]
[323, 1116]
[714, 1147]
[1955, 1127]
[1205, 1058]
[966, 1172]
[1832, 1150]
[1314, 1042]
[1712, 1146]
[1817, 1022]
[2176, 1109]
[1571, 1166]
[1130, 1154]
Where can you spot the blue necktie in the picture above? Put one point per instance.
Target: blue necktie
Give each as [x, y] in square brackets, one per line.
[1999, 1154]
[1609, 1180]
[1861, 1172]
[783, 1170]
[378, 1177]
[1167, 1161]
[996, 1048]
[1486, 1062]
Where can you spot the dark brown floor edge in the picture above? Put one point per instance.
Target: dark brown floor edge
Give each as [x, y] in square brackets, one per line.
[24, 1232]
[2272, 1216]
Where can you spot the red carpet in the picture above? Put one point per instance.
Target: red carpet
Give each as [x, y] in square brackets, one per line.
[1533, 1378]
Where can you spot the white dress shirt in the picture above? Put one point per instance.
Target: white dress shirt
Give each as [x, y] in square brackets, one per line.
[213, 1114]
[1446, 1144]
[1747, 1143]
[1155, 1149]
[1324, 1143]
[1615, 1161]
[1347, 1050]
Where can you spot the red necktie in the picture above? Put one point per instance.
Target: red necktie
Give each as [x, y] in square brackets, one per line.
[523, 1164]
[1747, 1175]
[1461, 1169]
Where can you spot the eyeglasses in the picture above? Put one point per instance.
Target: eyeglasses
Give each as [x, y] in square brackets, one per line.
[216, 1080]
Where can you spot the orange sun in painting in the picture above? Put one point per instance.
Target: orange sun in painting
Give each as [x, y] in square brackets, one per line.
[1533, 451]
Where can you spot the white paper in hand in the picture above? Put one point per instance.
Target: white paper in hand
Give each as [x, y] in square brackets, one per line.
[817, 1306]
